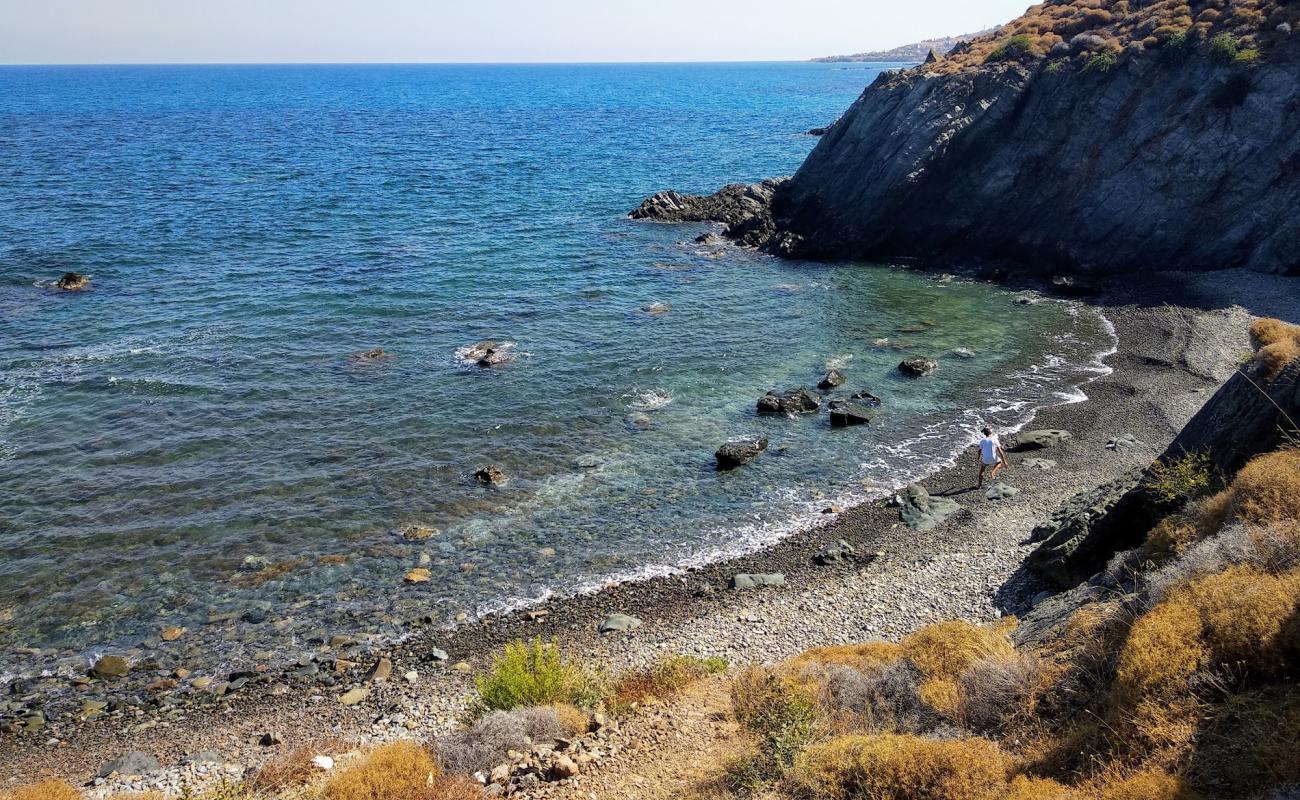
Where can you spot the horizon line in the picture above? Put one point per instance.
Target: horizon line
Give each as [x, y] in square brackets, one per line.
[813, 60]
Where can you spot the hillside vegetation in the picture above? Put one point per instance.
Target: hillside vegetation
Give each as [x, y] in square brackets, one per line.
[1237, 29]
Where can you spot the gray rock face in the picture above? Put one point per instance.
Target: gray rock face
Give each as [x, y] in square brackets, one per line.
[72, 282]
[132, 763]
[1000, 491]
[1090, 528]
[932, 165]
[794, 401]
[832, 379]
[1039, 440]
[921, 512]
[757, 580]
[619, 623]
[833, 553]
[738, 453]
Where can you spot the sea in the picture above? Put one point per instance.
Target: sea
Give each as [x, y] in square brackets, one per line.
[197, 442]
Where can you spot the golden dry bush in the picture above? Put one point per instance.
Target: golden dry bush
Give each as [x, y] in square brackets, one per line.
[894, 767]
[286, 771]
[947, 649]
[1171, 536]
[1147, 785]
[44, 790]
[1210, 514]
[137, 796]
[1277, 344]
[401, 769]
[1268, 488]
[573, 719]
[1163, 651]
[1264, 332]
[1026, 788]
[866, 654]
[942, 695]
[1243, 613]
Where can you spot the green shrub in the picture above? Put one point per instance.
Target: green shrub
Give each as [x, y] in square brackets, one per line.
[1248, 56]
[1012, 48]
[536, 674]
[1101, 63]
[1224, 48]
[780, 714]
[1053, 69]
[1177, 48]
[1183, 479]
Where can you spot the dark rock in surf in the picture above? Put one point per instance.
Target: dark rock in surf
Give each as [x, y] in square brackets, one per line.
[740, 452]
[745, 210]
[795, 401]
[847, 413]
[918, 366]
[487, 353]
[491, 475]
[818, 131]
[830, 380]
[72, 282]
[1075, 286]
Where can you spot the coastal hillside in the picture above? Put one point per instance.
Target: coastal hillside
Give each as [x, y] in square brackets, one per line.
[915, 53]
[1084, 137]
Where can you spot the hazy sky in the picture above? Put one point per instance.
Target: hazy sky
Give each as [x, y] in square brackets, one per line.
[136, 31]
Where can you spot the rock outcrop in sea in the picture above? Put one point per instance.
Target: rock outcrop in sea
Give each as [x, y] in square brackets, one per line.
[1103, 152]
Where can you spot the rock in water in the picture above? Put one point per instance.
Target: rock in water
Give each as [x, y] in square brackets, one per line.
[110, 667]
[921, 512]
[757, 580]
[491, 475]
[832, 379]
[1075, 286]
[72, 282]
[918, 366]
[419, 575]
[745, 210]
[1039, 440]
[657, 309]
[619, 623]
[132, 763]
[845, 413]
[488, 353]
[738, 453]
[794, 401]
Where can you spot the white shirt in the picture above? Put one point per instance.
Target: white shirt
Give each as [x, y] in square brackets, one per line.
[989, 449]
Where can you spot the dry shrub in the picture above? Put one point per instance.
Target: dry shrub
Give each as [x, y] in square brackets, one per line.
[997, 692]
[896, 767]
[1147, 785]
[401, 769]
[485, 743]
[1264, 332]
[863, 655]
[1243, 613]
[573, 720]
[1171, 536]
[44, 790]
[1209, 514]
[1277, 344]
[1026, 788]
[1268, 488]
[137, 796]
[943, 695]
[947, 649]
[880, 698]
[1250, 742]
[781, 713]
[287, 771]
[665, 679]
[1163, 652]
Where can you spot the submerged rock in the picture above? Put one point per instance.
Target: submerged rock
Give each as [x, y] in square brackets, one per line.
[110, 667]
[487, 353]
[374, 355]
[740, 452]
[918, 366]
[657, 309]
[491, 475]
[921, 512]
[72, 282]
[794, 401]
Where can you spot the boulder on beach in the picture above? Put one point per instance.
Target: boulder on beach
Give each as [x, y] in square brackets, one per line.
[1039, 440]
[833, 553]
[619, 623]
[131, 763]
[918, 366]
[72, 282]
[794, 401]
[110, 667]
[921, 512]
[487, 353]
[830, 380]
[746, 580]
[1041, 464]
[846, 413]
[1123, 442]
[1000, 491]
[739, 452]
[491, 475]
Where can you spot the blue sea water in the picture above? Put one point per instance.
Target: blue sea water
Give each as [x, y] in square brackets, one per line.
[193, 442]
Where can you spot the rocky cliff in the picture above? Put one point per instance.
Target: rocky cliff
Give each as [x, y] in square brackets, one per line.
[1098, 159]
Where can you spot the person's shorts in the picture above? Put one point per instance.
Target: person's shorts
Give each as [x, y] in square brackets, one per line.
[988, 463]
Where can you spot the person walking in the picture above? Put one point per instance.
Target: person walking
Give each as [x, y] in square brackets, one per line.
[991, 455]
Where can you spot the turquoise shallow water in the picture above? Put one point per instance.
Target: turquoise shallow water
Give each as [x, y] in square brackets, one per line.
[192, 437]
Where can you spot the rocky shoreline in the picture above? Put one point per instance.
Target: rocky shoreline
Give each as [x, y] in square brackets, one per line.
[888, 581]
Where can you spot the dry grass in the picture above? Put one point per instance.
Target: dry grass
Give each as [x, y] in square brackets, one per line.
[947, 649]
[401, 769]
[1026, 788]
[892, 767]
[1164, 650]
[1147, 785]
[1267, 489]
[44, 790]
[1243, 613]
[292, 769]
[1277, 345]
[663, 680]
[865, 655]
[137, 796]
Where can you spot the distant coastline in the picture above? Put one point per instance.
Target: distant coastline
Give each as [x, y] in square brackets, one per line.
[908, 53]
